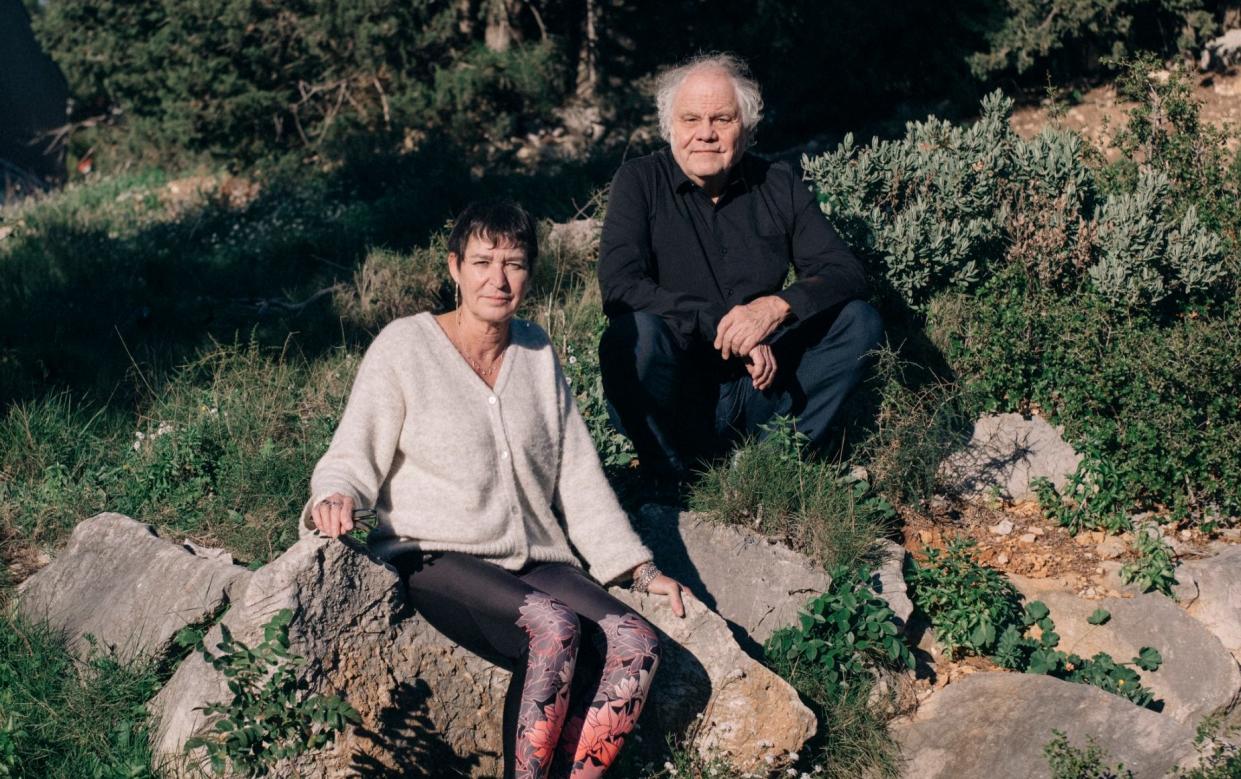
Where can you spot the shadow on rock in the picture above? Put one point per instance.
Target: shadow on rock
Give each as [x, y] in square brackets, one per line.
[424, 750]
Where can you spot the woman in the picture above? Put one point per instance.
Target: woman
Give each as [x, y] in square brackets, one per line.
[462, 433]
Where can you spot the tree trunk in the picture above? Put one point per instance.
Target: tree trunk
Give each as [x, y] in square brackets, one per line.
[501, 32]
[588, 66]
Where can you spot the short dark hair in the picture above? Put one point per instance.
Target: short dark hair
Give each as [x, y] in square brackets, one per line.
[497, 221]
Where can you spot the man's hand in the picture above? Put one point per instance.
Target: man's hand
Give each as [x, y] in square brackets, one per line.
[745, 327]
[760, 363]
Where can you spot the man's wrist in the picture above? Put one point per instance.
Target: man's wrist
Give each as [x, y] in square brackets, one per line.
[780, 307]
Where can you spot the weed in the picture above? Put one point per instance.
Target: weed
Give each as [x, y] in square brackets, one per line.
[1068, 762]
[1153, 568]
[975, 610]
[1219, 757]
[969, 604]
[842, 635]
[264, 722]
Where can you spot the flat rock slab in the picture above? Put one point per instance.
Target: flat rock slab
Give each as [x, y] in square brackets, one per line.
[758, 585]
[133, 591]
[1198, 676]
[1215, 583]
[429, 707]
[995, 725]
[1005, 454]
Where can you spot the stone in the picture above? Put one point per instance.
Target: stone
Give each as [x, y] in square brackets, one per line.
[1198, 677]
[1002, 528]
[1216, 601]
[1111, 548]
[129, 589]
[1222, 52]
[425, 701]
[1005, 454]
[1027, 538]
[578, 236]
[891, 581]
[996, 725]
[757, 586]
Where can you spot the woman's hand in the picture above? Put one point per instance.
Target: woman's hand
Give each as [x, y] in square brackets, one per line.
[659, 584]
[666, 585]
[333, 515]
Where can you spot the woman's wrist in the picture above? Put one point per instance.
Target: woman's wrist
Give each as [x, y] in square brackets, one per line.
[643, 575]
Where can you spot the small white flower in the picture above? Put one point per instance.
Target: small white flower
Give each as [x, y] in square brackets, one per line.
[790, 771]
[572, 360]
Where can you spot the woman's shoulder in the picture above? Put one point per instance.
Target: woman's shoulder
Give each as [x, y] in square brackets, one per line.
[530, 336]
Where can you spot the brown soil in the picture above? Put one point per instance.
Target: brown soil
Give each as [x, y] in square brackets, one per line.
[1101, 113]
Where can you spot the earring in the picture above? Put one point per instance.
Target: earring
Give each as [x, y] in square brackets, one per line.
[457, 293]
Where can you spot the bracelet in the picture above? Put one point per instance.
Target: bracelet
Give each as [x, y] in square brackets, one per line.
[647, 573]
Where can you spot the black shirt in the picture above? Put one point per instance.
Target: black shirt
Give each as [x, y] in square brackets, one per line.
[667, 249]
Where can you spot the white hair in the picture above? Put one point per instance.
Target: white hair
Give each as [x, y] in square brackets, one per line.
[749, 96]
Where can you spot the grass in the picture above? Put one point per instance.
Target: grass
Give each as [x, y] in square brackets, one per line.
[63, 719]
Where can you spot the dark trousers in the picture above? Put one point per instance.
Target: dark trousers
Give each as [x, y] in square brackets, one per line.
[682, 406]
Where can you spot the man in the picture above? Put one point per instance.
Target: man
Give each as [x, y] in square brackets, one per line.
[703, 343]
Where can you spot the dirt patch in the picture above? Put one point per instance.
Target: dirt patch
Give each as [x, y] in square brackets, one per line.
[1101, 112]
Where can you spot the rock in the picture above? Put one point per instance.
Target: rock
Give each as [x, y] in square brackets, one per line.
[1216, 603]
[757, 586]
[891, 582]
[425, 701]
[579, 236]
[1111, 548]
[133, 591]
[1005, 454]
[1003, 528]
[996, 725]
[1027, 538]
[1198, 676]
[1222, 52]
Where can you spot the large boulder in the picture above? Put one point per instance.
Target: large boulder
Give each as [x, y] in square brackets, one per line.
[996, 725]
[1215, 600]
[1005, 454]
[1221, 53]
[429, 707]
[118, 582]
[757, 584]
[1198, 676]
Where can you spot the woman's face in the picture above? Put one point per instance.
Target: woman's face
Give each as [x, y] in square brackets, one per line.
[492, 278]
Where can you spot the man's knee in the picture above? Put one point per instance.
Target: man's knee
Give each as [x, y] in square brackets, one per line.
[860, 326]
[636, 338]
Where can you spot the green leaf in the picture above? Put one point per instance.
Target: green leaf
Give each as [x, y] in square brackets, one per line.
[1099, 617]
[1037, 610]
[1148, 659]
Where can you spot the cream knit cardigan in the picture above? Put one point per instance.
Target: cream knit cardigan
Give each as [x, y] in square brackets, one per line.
[451, 464]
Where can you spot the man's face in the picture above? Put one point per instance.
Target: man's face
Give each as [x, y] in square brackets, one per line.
[707, 137]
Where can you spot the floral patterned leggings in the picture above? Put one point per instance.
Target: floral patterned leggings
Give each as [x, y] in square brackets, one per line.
[582, 661]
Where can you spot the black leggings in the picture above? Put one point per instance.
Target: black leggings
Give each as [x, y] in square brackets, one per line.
[567, 711]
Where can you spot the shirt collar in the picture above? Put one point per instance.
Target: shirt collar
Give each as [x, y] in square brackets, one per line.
[736, 177]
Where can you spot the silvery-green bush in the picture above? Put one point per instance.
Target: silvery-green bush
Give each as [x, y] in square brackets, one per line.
[947, 206]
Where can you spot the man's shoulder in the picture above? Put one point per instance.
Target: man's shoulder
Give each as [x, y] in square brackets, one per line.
[760, 171]
[649, 167]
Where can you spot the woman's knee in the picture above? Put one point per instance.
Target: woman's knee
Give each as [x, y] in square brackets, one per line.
[630, 637]
[549, 623]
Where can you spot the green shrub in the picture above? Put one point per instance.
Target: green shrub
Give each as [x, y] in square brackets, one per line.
[64, 719]
[1070, 36]
[1049, 281]
[1068, 762]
